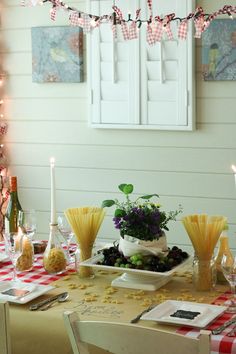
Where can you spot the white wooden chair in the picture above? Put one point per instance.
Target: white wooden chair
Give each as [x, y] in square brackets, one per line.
[124, 338]
[5, 347]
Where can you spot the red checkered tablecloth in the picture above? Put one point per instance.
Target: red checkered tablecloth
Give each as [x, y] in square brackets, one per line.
[221, 343]
[37, 274]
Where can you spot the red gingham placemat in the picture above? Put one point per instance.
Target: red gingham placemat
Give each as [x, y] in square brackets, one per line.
[220, 344]
[37, 274]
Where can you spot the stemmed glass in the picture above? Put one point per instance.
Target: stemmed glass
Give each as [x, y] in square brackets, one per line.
[14, 248]
[27, 220]
[67, 234]
[228, 265]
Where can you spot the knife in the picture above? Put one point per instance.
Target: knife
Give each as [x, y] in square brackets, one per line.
[137, 318]
[36, 306]
[220, 329]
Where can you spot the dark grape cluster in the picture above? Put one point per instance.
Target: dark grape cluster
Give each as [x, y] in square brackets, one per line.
[161, 263]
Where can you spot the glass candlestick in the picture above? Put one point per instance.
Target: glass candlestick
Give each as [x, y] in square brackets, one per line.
[54, 258]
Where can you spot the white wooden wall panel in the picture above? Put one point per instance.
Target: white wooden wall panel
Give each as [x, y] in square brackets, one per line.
[190, 168]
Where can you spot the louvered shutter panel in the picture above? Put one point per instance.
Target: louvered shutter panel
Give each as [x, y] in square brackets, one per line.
[135, 85]
[166, 73]
[114, 70]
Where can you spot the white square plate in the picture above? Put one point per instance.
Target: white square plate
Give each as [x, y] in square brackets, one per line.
[34, 291]
[162, 313]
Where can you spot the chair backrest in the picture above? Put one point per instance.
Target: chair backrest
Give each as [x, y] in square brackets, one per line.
[124, 338]
[5, 347]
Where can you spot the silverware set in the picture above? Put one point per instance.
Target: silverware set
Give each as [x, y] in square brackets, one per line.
[46, 304]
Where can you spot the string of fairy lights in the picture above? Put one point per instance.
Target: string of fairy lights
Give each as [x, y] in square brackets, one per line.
[156, 26]
[3, 160]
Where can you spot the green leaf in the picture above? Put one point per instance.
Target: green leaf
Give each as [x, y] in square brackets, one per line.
[126, 188]
[149, 196]
[119, 213]
[107, 203]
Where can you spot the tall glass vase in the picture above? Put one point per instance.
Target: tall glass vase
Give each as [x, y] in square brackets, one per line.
[85, 252]
[204, 274]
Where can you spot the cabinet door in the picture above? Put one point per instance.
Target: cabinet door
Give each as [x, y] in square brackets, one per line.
[113, 69]
[167, 88]
[136, 85]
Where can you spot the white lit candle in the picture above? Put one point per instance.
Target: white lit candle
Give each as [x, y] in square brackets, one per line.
[53, 191]
[234, 169]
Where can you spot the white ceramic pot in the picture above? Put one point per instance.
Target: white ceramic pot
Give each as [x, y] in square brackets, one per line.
[130, 245]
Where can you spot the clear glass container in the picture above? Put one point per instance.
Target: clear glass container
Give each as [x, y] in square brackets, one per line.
[204, 274]
[222, 250]
[26, 260]
[54, 258]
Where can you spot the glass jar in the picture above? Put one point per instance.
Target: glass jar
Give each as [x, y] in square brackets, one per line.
[222, 250]
[54, 258]
[83, 253]
[204, 274]
[26, 259]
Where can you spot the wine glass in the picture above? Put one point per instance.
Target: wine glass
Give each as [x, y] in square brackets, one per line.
[228, 265]
[14, 248]
[67, 233]
[27, 221]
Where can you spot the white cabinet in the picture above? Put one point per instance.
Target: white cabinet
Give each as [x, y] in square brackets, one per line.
[137, 86]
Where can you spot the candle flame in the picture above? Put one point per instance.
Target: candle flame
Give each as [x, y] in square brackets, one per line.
[233, 168]
[52, 161]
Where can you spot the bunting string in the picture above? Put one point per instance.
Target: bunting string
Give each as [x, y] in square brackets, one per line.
[156, 26]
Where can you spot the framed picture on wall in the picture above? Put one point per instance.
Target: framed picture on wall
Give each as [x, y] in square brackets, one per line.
[57, 54]
[219, 51]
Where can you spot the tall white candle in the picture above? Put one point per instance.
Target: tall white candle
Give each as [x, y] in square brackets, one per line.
[53, 191]
[234, 169]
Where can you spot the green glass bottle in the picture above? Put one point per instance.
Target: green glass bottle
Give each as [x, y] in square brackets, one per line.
[13, 207]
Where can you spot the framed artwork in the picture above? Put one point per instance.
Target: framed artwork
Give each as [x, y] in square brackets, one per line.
[219, 51]
[57, 54]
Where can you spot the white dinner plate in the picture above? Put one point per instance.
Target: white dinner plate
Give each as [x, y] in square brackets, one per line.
[13, 291]
[3, 257]
[202, 314]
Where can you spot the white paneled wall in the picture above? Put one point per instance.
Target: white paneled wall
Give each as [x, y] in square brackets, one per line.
[188, 168]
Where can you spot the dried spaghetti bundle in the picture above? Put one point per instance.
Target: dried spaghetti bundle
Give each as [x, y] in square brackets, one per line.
[85, 223]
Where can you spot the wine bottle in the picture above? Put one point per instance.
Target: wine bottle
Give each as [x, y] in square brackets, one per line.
[13, 207]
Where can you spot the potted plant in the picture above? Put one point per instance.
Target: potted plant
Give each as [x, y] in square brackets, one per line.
[142, 223]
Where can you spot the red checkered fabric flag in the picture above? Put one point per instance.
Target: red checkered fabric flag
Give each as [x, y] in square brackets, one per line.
[183, 29]
[86, 23]
[3, 128]
[124, 27]
[150, 37]
[199, 26]
[74, 18]
[168, 31]
[158, 31]
[53, 13]
[133, 33]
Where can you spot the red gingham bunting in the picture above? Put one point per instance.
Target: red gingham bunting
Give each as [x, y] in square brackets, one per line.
[158, 31]
[183, 29]
[133, 33]
[53, 12]
[74, 18]
[86, 23]
[150, 36]
[166, 25]
[199, 26]
[149, 2]
[124, 27]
